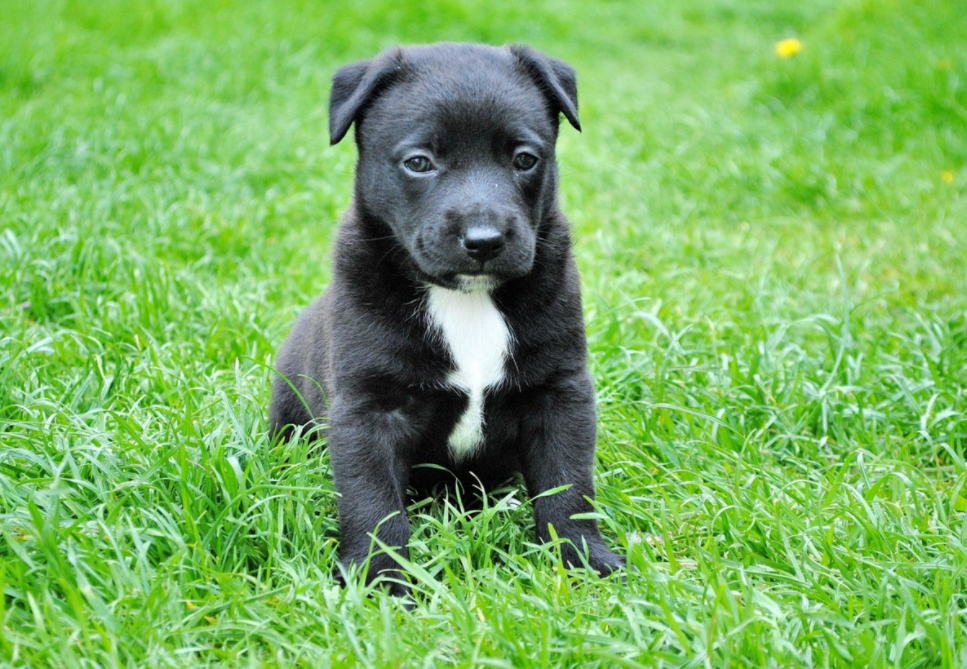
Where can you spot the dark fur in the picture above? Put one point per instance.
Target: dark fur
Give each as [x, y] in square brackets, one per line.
[366, 345]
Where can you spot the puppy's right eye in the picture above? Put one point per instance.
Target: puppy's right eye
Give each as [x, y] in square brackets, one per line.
[418, 164]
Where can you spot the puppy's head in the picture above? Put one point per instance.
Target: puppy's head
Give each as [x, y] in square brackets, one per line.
[456, 153]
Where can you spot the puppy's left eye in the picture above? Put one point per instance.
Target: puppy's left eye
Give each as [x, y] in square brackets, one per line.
[418, 164]
[524, 161]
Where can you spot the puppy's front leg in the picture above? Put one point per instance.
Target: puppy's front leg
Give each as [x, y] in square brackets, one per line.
[367, 446]
[559, 450]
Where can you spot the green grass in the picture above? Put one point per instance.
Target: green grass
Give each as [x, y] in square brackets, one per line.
[773, 253]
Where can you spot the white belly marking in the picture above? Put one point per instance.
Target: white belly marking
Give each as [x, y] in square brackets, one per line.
[478, 339]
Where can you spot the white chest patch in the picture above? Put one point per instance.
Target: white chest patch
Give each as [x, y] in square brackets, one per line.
[478, 339]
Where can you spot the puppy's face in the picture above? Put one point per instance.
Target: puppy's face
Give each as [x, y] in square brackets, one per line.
[456, 156]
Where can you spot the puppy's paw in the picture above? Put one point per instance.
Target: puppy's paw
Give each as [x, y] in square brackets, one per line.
[596, 555]
[396, 585]
[391, 580]
[605, 561]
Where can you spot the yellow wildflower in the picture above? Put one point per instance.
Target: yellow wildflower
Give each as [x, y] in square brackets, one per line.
[947, 176]
[788, 48]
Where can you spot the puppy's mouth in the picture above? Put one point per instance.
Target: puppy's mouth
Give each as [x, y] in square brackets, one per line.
[469, 282]
[474, 283]
[465, 279]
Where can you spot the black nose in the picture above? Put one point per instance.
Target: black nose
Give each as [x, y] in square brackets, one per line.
[483, 243]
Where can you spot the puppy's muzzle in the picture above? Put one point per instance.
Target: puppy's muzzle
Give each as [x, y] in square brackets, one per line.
[498, 244]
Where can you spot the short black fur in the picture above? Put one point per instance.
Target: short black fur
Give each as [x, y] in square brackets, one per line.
[364, 360]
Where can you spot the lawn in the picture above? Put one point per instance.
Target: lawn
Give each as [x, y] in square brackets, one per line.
[773, 255]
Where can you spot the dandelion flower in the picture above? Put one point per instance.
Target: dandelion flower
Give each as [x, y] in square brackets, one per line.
[947, 176]
[788, 48]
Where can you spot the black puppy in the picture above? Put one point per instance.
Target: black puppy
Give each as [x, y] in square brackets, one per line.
[452, 331]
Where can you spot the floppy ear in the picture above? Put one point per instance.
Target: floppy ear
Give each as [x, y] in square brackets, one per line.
[354, 85]
[555, 77]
